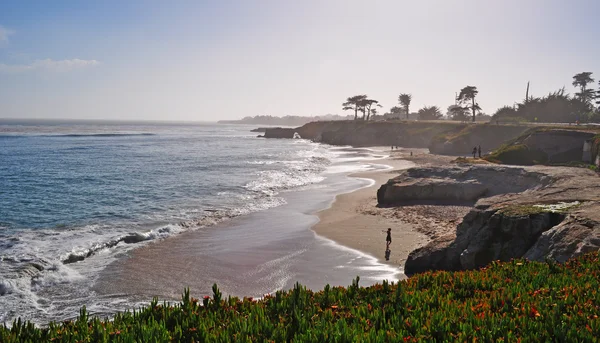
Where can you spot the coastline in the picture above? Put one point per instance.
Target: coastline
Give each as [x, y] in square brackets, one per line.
[257, 253]
[354, 220]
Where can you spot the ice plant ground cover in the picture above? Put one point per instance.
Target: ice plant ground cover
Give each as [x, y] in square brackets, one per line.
[512, 301]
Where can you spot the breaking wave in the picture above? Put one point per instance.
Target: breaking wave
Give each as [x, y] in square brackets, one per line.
[48, 270]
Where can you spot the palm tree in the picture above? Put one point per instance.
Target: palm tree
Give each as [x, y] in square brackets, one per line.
[430, 113]
[404, 100]
[581, 80]
[467, 97]
[353, 103]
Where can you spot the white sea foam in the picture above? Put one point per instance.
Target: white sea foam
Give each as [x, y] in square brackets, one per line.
[369, 263]
[34, 277]
[305, 168]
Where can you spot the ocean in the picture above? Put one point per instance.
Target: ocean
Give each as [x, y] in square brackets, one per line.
[109, 215]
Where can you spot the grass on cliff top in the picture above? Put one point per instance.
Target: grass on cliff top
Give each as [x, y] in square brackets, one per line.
[467, 129]
[510, 302]
[517, 154]
[533, 209]
[469, 160]
[521, 210]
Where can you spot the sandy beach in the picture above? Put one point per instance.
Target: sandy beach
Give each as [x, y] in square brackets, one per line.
[354, 220]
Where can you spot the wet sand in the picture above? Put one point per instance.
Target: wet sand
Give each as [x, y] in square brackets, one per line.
[270, 250]
[355, 221]
[249, 255]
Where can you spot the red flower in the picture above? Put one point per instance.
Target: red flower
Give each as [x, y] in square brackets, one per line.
[534, 312]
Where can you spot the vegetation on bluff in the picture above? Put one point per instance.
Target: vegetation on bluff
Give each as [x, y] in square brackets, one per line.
[512, 301]
[556, 107]
[517, 154]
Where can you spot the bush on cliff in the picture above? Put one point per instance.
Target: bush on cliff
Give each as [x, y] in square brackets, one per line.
[519, 154]
[513, 301]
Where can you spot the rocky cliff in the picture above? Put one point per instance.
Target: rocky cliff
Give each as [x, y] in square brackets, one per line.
[408, 134]
[531, 212]
[447, 138]
[544, 146]
[462, 140]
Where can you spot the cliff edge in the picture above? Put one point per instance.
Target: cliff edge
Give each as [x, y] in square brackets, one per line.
[532, 212]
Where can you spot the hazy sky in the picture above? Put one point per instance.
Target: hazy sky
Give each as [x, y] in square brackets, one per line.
[211, 60]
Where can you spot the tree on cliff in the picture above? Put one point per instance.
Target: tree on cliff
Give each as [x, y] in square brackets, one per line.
[374, 114]
[396, 112]
[430, 113]
[507, 111]
[598, 96]
[368, 103]
[405, 100]
[457, 113]
[581, 80]
[466, 97]
[354, 103]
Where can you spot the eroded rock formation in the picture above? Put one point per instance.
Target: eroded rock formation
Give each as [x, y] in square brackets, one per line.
[531, 212]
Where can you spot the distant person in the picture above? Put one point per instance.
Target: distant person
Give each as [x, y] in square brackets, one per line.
[479, 151]
[392, 147]
[411, 153]
[388, 238]
[474, 152]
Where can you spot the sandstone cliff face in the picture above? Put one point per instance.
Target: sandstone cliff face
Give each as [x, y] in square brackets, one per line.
[461, 142]
[544, 146]
[560, 146]
[358, 133]
[541, 144]
[515, 213]
[404, 134]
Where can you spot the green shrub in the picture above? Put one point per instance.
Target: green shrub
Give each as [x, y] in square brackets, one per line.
[505, 120]
[519, 154]
[512, 301]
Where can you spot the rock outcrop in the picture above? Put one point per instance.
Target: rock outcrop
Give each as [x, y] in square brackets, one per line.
[561, 146]
[453, 184]
[531, 212]
[574, 236]
[544, 146]
[259, 129]
[279, 132]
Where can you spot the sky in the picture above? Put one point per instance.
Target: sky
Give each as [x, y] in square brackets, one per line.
[214, 60]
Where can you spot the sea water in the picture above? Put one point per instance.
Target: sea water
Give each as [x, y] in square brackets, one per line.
[109, 215]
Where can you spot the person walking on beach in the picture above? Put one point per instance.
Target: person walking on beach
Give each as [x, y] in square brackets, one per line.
[479, 151]
[474, 152]
[388, 238]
